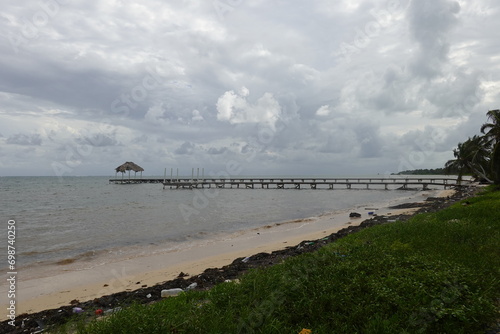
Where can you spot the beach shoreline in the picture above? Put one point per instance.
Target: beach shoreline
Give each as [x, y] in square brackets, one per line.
[140, 273]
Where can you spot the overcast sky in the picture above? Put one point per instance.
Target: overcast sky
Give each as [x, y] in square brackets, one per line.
[244, 87]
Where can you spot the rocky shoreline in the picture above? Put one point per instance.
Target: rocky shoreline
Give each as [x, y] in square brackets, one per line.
[39, 322]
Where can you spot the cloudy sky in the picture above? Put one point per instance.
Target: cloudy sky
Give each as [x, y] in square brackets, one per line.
[245, 87]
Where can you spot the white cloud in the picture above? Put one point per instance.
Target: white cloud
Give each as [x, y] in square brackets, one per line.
[236, 109]
[323, 111]
[155, 114]
[197, 116]
[244, 91]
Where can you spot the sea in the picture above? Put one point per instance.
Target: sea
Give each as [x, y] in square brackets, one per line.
[83, 220]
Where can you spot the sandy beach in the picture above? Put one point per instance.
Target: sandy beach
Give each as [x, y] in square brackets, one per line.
[54, 290]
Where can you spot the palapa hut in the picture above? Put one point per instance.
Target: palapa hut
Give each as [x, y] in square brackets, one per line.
[128, 166]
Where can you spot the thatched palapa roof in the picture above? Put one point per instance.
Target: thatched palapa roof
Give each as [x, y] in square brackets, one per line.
[128, 166]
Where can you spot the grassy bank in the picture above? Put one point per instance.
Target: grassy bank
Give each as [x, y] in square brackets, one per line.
[437, 273]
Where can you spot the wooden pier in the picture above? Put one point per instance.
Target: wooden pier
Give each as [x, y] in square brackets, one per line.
[136, 180]
[312, 183]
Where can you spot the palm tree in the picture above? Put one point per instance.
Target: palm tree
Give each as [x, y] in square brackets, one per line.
[494, 126]
[472, 156]
[492, 133]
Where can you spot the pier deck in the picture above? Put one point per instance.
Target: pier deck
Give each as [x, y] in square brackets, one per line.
[136, 180]
[312, 183]
[299, 183]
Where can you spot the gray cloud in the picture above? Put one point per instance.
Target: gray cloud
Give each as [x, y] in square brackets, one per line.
[23, 139]
[217, 151]
[185, 148]
[430, 23]
[98, 140]
[369, 140]
[266, 84]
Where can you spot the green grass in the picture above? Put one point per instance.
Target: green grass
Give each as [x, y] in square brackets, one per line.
[436, 273]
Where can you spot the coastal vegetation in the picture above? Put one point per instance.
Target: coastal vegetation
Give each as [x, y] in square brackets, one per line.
[431, 171]
[480, 155]
[435, 273]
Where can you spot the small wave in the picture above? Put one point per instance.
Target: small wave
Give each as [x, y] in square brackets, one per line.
[65, 262]
[43, 252]
[87, 256]
[293, 221]
[302, 220]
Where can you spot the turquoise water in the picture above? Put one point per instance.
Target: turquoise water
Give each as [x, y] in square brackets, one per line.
[82, 218]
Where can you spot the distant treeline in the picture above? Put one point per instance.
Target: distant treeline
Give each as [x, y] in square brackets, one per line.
[437, 171]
